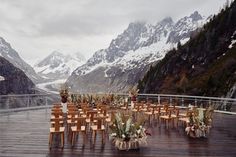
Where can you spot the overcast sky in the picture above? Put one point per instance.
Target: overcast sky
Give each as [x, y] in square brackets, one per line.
[35, 28]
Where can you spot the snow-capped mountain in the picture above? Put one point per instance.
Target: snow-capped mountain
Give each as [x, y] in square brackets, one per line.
[129, 56]
[7, 52]
[58, 65]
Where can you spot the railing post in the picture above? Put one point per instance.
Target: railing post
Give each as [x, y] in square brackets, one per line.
[225, 106]
[46, 100]
[182, 100]
[170, 101]
[209, 103]
[195, 102]
[159, 99]
[28, 101]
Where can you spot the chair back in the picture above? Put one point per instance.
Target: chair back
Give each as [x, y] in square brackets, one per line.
[100, 121]
[169, 113]
[56, 109]
[84, 105]
[104, 110]
[80, 122]
[57, 124]
[57, 114]
[91, 115]
[72, 114]
[158, 109]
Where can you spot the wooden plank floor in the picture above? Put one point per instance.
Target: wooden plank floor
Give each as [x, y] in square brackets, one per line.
[25, 134]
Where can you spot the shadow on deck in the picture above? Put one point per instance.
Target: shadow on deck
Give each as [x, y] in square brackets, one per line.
[26, 134]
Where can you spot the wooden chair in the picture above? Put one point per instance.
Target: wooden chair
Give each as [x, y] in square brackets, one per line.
[138, 108]
[90, 118]
[56, 115]
[164, 109]
[98, 127]
[70, 119]
[185, 118]
[167, 117]
[103, 111]
[175, 115]
[157, 112]
[124, 106]
[80, 126]
[150, 112]
[57, 129]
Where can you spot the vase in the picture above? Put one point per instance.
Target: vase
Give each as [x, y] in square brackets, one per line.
[197, 133]
[126, 145]
[132, 105]
[121, 144]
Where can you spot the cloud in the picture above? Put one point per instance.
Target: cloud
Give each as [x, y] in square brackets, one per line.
[38, 27]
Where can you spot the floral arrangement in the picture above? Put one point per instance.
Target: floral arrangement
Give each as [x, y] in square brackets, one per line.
[200, 122]
[64, 93]
[127, 134]
[133, 93]
[110, 99]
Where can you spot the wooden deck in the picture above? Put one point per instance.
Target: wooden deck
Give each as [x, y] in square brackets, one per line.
[25, 134]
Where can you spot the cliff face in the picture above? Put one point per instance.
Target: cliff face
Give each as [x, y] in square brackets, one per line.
[13, 80]
[205, 65]
[7, 52]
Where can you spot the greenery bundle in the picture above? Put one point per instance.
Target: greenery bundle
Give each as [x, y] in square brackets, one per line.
[127, 134]
[200, 122]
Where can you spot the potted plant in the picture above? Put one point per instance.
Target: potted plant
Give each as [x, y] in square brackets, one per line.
[64, 97]
[126, 134]
[133, 93]
[200, 124]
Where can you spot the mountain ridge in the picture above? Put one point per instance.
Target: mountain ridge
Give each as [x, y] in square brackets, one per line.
[205, 65]
[7, 52]
[136, 48]
[57, 65]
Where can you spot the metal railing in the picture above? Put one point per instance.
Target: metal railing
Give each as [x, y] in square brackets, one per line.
[11, 103]
[226, 105]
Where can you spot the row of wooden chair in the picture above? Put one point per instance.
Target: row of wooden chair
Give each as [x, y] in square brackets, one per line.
[164, 112]
[56, 125]
[78, 121]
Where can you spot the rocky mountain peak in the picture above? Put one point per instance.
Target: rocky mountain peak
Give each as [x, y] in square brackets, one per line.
[135, 26]
[196, 16]
[166, 22]
[184, 27]
[58, 65]
[11, 55]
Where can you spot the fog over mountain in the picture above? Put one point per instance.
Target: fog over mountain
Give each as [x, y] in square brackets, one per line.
[36, 28]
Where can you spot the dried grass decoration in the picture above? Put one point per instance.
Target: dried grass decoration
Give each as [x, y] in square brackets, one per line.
[64, 93]
[126, 134]
[200, 122]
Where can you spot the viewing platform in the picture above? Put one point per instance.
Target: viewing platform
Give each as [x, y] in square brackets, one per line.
[26, 133]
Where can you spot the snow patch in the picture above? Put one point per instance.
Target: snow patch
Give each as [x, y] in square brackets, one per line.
[2, 78]
[232, 43]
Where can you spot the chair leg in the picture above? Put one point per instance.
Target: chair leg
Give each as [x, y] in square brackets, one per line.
[72, 138]
[84, 137]
[94, 136]
[50, 140]
[62, 140]
[103, 137]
